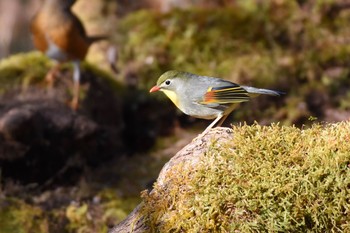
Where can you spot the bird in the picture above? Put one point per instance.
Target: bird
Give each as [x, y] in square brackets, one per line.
[206, 97]
[59, 34]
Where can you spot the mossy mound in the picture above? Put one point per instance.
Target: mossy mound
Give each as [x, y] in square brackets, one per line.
[88, 216]
[267, 179]
[22, 70]
[17, 216]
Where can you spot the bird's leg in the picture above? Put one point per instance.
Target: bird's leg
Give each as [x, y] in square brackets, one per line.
[112, 58]
[51, 75]
[211, 125]
[222, 120]
[226, 113]
[76, 84]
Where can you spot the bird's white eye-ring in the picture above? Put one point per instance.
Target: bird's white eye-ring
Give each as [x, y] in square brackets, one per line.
[167, 82]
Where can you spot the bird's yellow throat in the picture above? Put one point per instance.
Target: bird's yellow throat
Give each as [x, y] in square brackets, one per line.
[172, 96]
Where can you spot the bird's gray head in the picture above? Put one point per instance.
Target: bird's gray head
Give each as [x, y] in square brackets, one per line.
[171, 80]
[171, 83]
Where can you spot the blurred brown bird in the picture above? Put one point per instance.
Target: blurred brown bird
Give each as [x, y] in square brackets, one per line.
[59, 34]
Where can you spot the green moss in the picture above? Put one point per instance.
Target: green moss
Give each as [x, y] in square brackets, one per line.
[117, 207]
[21, 217]
[21, 70]
[206, 38]
[89, 217]
[267, 179]
[17, 216]
[25, 69]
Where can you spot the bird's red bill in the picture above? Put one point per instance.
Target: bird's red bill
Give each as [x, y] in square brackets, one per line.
[154, 89]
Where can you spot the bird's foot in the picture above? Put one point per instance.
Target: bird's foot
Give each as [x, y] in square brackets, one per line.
[74, 104]
[50, 79]
[200, 136]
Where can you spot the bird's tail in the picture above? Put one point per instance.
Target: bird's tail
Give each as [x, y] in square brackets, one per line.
[259, 91]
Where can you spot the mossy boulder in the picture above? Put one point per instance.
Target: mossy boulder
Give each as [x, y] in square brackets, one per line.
[253, 178]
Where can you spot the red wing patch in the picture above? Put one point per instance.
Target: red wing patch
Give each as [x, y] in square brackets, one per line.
[225, 95]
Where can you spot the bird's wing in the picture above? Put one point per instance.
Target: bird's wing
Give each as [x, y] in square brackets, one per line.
[225, 95]
[78, 41]
[67, 33]
[38, 35]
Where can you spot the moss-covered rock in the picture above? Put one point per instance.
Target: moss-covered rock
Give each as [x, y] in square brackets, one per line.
[265, 179]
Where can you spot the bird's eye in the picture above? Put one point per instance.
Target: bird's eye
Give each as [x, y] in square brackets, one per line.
[167, 82]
